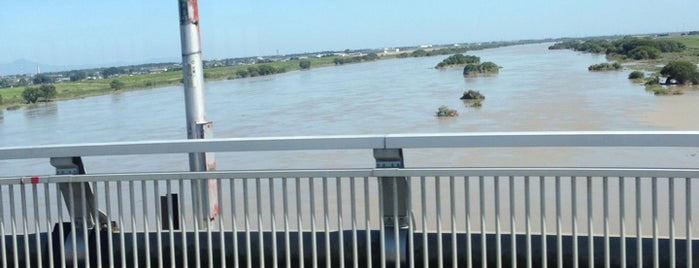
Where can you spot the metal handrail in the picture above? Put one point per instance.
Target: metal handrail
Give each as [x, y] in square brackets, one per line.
[358, 142]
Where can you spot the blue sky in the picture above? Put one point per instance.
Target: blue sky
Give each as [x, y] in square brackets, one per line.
[80, 32]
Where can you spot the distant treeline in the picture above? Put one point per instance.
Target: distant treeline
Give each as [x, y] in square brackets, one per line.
[627, 47]
[355, 59]
[261, 70]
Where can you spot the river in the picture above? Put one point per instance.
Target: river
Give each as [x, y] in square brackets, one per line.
[536, 90]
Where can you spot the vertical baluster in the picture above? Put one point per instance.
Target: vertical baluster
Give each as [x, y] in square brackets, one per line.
[287, 243]
[96, 213]
[159, 223]
[528, 220]
[382, 228]
[639, 233]
[411, 227]
[110, 227]
[367, 224]
[438, 201]
[574, 205]
[183, 222]
[3, 243]
[73, 223]
[590, 234]
[513, 226]
[170, 221]
[671, 196]
[273, 221]
[452, 205]
[656, 261]
[688, 205]
[423, 198]
[260, 237]
[498, 243]
[559, 223]
[340, 233]
[25, 223]
[299, 219]
[144, 198]
[622, 220]
[481, 194]
[83, 208]
[221, 228]
[469, 243]
[134, 240]
[326, 223]
[246, 213]
[13, 224]
[120, 206]
[605, 197]
[234, 222]
[49, 223]
[396, 237]
[314, 242]
[542, 200]
[353, 201]
[196, 213]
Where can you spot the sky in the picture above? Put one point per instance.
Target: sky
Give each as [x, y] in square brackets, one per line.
[104, 32]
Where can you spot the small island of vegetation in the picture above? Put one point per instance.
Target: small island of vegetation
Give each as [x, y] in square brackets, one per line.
[444, 111]
[458, 59]
[625, 48]
[479, 69]
[605, 66]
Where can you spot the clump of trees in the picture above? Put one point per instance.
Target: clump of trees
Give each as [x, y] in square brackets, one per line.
[356, 59]
[636, 75]
[259, 70]
[41, 93]
[444, 111]
[458, 59]
[305, 64]
[604, 67]
[627, 47]
[472, 95]
[116, 85]
[42, 79]
[435, 52]
[683, 72]
[483, 68]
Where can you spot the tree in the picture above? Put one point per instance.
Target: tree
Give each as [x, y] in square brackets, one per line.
[48, 92]
[0, 99]
[116, 84]
[31, 94]
[111, 71]
[305, 64]
[636, 75]
[683, 72]
[4, 83]
[42, 79]
[77, 75]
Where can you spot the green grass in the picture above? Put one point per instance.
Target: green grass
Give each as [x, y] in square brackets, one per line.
[12, 97]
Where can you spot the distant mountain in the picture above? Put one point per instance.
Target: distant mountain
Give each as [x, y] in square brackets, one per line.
[24, 66]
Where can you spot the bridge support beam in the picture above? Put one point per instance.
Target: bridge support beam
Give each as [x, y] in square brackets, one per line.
[395, 197]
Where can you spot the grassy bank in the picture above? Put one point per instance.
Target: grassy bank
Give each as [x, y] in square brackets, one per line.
[12, 97]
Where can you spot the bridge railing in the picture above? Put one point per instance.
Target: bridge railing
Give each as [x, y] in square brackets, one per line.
[386, 215]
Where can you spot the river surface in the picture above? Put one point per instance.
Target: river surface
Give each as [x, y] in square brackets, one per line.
[536, 90]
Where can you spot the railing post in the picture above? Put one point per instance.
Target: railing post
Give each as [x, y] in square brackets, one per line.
[74, 166]
[395, 200]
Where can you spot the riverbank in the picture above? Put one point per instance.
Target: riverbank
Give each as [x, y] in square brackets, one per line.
[12, 97]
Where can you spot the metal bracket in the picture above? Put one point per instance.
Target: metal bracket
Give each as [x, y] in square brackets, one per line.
[72, 191]
[393, 186]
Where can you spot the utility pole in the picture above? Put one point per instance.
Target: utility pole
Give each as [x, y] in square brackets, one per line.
[204, 192]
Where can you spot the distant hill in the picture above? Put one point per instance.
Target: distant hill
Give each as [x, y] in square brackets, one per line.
[24, 66]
